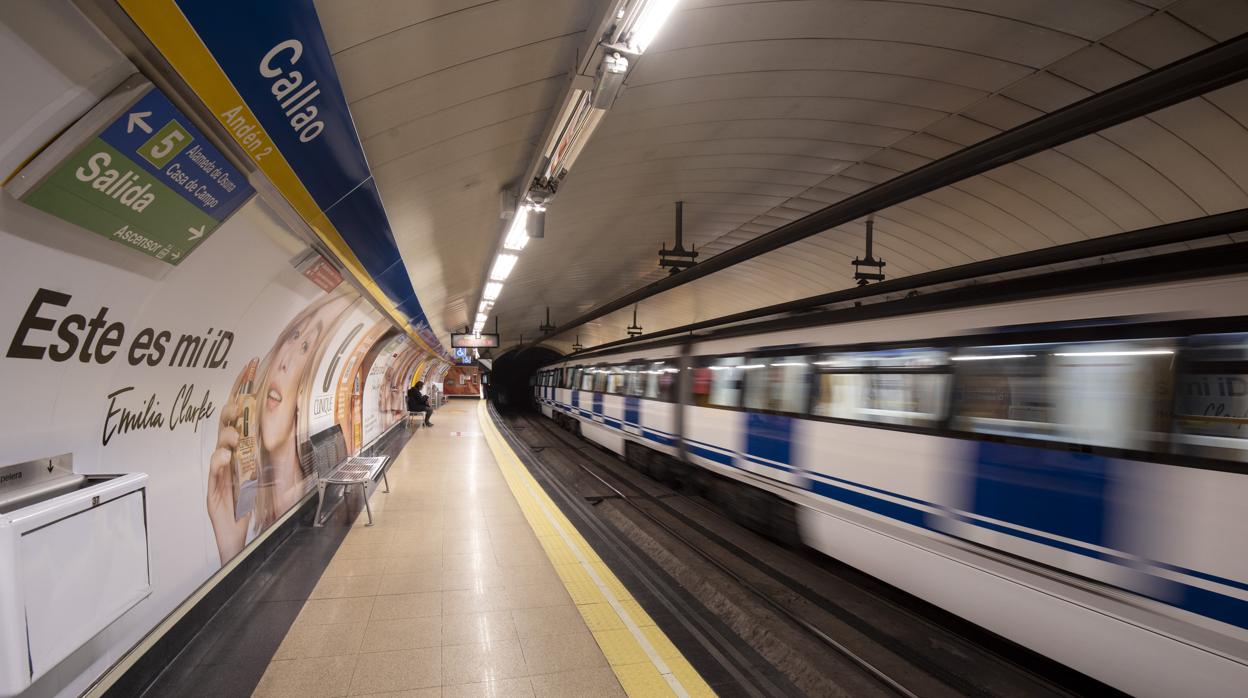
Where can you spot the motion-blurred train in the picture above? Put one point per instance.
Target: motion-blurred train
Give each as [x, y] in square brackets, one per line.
[1076, 484]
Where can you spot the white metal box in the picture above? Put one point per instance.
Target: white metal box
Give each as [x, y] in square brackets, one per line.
[71, 562]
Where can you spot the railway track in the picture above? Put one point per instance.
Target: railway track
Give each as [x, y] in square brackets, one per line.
[828, 629]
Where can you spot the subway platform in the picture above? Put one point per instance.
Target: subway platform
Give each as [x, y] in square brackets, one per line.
[470, 582]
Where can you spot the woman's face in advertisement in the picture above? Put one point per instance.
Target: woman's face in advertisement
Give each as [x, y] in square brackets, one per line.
[278, 396]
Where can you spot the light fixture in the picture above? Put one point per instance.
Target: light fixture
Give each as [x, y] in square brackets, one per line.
[609, 80]
[598, 80]
[481, 319]
[650, 18]
[485, 306]
[503, 264]
[1137, 352]
[992, 358]
[537, 221]
[517, 233]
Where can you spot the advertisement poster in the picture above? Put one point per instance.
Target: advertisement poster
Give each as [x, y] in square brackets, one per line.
[210, 380]
[462, 381]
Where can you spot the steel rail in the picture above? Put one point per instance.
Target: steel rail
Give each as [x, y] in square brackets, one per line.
[857, 660]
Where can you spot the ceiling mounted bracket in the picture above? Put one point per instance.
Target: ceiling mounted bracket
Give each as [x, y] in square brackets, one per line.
[678, 258]
[546, 327]
[634, 330]
[865, 277]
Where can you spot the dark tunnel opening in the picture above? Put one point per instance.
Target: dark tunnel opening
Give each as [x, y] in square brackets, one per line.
[511, 374]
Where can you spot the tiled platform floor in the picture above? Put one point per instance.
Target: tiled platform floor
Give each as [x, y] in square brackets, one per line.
[449, 594]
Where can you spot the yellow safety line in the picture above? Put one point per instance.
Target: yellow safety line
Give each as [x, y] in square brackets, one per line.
[172, 34]
[643, 658]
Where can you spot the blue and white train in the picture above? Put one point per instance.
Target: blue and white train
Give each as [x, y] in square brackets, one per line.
[1078, 484]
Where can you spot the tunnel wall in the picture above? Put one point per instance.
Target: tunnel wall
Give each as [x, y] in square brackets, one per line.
[130, 364]
[511, 373]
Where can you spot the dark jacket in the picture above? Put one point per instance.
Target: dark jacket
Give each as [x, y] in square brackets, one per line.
[416, 402]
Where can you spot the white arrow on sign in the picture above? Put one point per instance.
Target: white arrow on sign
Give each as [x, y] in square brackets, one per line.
[196, 233]
[136, 119]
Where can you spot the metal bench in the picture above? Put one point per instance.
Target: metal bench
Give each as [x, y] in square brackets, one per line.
[334, 466]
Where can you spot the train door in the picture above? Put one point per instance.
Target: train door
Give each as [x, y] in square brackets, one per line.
[712, 429]
[1052, 413]
[634, 382]
[660, 405]
[776, 390]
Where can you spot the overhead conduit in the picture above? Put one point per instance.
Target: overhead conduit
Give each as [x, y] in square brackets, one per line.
[1190, 77]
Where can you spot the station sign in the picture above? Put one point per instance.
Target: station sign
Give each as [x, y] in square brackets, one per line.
[473, 341]
[319, 271]
[136, 171]
[266, 73]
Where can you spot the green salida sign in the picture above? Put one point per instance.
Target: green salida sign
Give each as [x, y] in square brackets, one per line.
[143, 178]
[105, 192]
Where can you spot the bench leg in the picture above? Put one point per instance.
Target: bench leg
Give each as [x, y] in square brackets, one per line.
[367, 508]
[385, 480]
[320, 502]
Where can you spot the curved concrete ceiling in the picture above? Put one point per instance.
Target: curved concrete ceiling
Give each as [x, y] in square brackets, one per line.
[757, 113]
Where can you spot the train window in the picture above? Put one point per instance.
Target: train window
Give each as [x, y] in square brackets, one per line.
[660, 381]
[777, 384]
[1110, 394]
[1003, 391]
[900, 386]
[615, 380]
[717, 382]
[635, 380]
[587, 378]
[1211, 398]
[600, 379]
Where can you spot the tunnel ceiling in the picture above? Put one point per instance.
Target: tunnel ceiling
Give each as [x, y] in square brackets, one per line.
[757, 113]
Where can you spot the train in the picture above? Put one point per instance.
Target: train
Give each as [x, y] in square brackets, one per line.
[1075, 483]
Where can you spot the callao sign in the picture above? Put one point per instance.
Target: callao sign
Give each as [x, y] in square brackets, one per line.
[135, 171]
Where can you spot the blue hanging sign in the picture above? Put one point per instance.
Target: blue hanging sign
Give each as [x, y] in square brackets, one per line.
[272, 84]
[160, 139]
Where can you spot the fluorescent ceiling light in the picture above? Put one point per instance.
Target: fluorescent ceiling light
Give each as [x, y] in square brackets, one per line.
[651, 19]
[485, 306]
[503, 265]
[992, 358]
[791, 363]
[518, 234]
[1138, 352]
[481, 318]
[492, 291]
